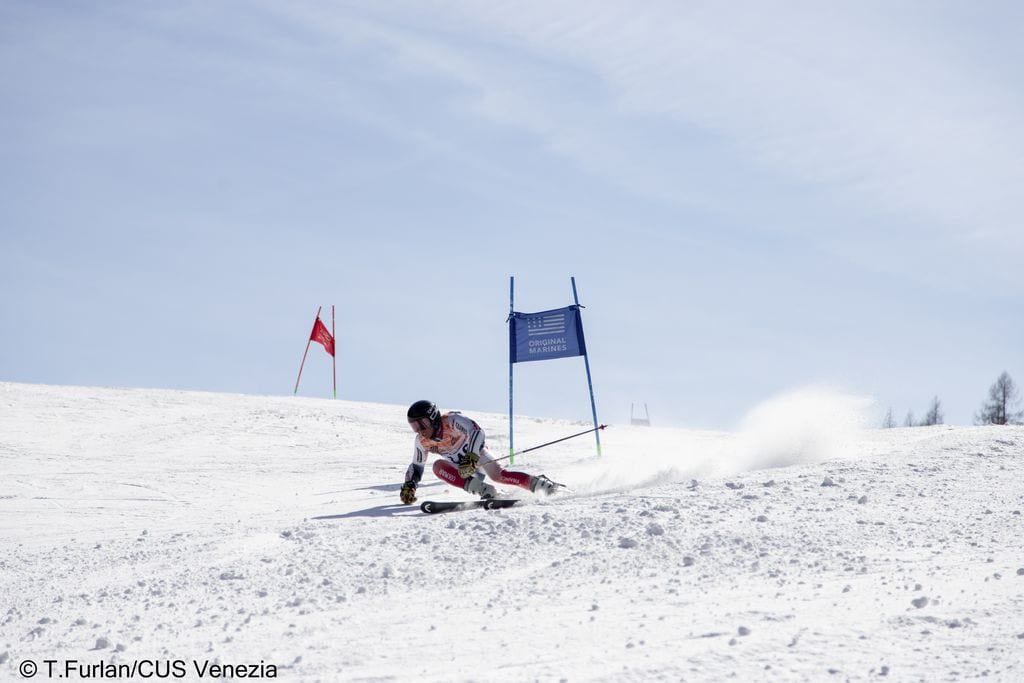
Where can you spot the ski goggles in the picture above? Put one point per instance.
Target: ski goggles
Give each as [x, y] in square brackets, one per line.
[421, 425]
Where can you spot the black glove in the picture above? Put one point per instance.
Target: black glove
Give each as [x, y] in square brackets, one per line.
[408, 494]
[467, 464]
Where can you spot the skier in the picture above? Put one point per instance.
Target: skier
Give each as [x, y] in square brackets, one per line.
[460, 443]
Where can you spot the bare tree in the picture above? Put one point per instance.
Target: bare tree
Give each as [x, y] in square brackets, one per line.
[934, 415]
[1000, 408]
[888, 422]
[909, 420]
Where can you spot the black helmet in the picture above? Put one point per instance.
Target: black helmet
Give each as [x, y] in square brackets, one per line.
[423, 414]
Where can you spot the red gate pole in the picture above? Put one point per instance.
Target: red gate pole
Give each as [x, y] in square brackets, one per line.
[308, 341]
[334, 356]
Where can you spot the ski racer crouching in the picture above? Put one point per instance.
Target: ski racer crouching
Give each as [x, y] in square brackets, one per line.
[460, 443]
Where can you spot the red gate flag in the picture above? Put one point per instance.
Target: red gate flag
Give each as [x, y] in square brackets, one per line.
[321, 336]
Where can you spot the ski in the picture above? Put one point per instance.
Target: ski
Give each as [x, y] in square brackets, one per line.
[433, 507]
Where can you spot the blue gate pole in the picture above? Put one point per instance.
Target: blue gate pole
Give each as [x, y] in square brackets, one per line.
[511, 323]
[590, 385]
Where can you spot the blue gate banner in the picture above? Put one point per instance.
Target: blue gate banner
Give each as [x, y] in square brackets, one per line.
[546, 335]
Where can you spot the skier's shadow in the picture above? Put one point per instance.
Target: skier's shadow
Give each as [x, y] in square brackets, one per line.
[389, 510]
[378, 511]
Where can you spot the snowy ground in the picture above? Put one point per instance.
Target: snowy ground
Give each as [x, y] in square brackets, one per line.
[155, 525]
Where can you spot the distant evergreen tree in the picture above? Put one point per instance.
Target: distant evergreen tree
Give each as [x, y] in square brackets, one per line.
[934, 415]
[1000, 408]
[888, 422]
[909, 420]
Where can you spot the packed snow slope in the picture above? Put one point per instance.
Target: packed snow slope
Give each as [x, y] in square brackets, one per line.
[144, 525]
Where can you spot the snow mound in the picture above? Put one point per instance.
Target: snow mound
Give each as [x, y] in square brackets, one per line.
[155, 525]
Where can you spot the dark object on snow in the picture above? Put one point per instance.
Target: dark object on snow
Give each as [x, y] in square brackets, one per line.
[432, 507]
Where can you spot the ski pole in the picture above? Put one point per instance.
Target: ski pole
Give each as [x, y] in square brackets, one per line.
[527, 450]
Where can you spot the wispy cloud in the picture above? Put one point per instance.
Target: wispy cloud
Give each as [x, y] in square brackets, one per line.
[876, 109]
[850, 96]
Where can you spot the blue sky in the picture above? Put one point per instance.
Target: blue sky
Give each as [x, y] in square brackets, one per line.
[752, 199]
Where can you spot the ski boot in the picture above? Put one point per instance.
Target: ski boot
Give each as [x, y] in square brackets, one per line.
[544, 485]
[478, 487]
